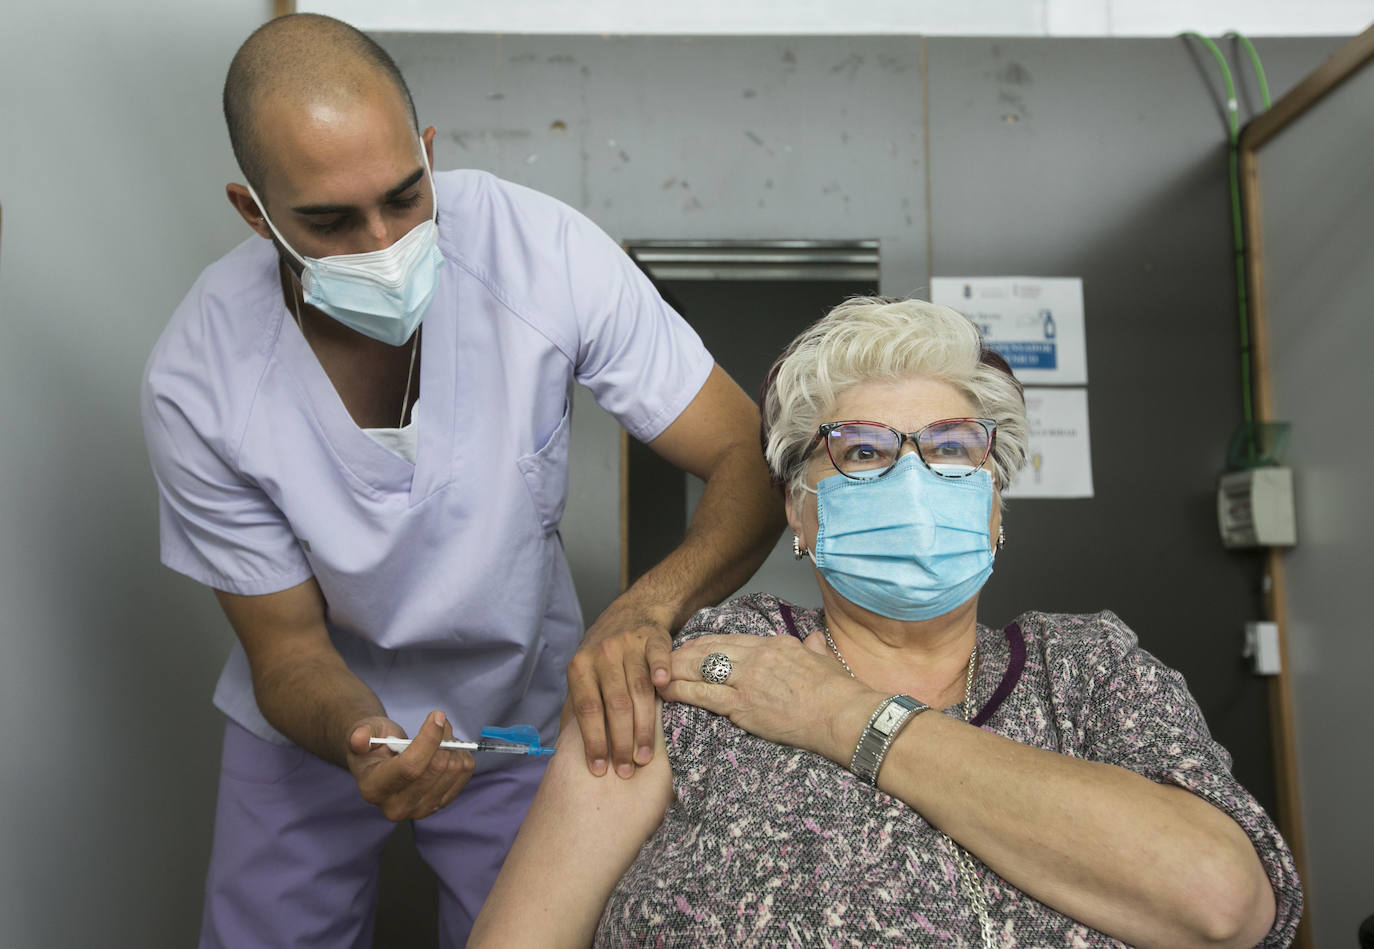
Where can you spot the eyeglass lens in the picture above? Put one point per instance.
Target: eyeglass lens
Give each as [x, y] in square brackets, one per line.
[867, 450]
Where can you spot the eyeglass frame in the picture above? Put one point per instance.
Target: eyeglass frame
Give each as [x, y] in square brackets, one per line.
[824, 430]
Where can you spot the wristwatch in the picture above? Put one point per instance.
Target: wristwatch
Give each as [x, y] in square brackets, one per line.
[887, 720]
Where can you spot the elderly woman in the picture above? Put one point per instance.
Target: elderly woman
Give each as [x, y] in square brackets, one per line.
[886, 771]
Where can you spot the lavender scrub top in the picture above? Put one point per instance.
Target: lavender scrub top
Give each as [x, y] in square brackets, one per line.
[446, 581]
[768, 845]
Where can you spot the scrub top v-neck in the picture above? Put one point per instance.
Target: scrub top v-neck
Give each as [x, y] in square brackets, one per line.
[372, 462]
[446, 582]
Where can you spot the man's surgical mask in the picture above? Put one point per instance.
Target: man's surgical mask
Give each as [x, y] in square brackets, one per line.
[383, 293]
[910, 545]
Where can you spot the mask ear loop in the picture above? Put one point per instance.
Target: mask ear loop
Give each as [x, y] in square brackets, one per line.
[295, 277]
[798, 552]
[433, 191]
[275, 233]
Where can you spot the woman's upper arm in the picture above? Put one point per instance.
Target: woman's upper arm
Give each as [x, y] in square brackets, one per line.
[580, 836]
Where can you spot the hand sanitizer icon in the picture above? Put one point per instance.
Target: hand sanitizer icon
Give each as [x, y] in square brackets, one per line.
[1047, 319]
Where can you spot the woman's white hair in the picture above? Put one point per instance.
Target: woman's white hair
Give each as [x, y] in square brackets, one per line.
[868, 338]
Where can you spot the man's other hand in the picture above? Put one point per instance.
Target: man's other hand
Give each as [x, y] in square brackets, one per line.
[611, 683]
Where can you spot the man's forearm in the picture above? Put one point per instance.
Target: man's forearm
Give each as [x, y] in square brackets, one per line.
[625, 654]
[316, 701]
[301, 683]
[732, 532]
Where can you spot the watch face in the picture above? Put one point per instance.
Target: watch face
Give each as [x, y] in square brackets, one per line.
[890, 717]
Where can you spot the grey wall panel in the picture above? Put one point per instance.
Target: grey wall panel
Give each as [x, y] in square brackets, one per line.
[677, 137]
[1317, 214]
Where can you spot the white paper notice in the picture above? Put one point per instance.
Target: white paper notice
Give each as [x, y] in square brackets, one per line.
[1058, 462]
[1036, 323]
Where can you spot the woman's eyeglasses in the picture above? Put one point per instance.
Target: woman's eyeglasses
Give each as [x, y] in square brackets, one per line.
[951, 447]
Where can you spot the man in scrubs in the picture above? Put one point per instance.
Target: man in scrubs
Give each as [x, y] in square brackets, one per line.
[358, 423]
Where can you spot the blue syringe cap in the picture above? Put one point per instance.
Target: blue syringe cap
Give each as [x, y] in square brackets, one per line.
[526, 735]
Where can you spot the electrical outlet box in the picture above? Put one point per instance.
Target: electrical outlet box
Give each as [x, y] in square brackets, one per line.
[1255, 508]
[1262, 648]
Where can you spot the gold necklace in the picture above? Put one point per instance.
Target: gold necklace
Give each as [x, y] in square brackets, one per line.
[968, 678]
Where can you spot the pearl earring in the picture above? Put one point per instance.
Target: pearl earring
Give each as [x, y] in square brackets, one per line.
[1001, 537]
[797, 551]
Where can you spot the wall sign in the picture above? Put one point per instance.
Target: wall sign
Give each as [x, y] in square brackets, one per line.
[1036, 323]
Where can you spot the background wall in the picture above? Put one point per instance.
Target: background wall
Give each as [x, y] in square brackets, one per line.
[111, 172]
[113, 160]
[1317, 209]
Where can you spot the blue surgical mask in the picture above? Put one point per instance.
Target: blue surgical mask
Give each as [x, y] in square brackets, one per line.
[382, 294]
[910, 545]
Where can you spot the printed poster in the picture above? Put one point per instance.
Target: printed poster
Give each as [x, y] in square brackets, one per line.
[1058, 459]
[1036, 323]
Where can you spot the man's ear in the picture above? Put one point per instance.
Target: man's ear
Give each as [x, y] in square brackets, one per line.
[248, 209]
[427, 137]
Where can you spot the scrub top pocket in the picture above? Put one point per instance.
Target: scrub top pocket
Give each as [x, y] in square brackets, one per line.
[546, 473]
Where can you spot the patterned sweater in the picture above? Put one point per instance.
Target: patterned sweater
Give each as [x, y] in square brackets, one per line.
[768, 845]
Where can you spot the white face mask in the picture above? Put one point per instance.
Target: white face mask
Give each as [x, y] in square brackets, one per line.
[383, 293]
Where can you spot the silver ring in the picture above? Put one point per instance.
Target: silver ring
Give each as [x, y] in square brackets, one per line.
[716, 667]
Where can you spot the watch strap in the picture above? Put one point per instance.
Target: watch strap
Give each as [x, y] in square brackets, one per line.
[887, 720]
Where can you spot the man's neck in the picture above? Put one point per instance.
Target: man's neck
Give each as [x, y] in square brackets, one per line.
[368, 375]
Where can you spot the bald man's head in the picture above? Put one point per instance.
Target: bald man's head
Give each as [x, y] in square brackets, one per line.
[303, 59]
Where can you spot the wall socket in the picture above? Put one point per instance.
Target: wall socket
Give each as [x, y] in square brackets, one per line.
[1262, 647]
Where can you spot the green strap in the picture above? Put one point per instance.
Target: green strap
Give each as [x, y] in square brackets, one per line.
[1237, 224]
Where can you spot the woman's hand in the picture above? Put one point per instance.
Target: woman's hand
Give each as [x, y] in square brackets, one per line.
[779, 690]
